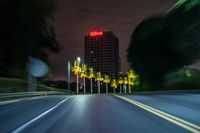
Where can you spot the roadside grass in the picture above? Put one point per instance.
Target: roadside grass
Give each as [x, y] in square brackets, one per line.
[12, 85]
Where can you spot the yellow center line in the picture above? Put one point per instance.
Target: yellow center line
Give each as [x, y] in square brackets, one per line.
[178, 121]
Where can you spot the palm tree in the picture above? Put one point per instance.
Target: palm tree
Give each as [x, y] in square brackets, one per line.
[99, 79]
[114, 85]
[120, 82]
[84, 75]
[91, 76]
[106, 81]
[131, 77]
[76, 69]
[125, 82]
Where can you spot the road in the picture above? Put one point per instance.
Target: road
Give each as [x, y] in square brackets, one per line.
[97, 114]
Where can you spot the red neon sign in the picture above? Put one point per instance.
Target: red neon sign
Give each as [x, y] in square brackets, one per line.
[96, 33]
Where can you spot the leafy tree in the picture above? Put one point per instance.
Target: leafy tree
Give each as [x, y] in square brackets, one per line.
[120, 82]
[26, 30]
[84, 75]
[99, 78]
[107, 81]
[114, 85]
[76, 69]
[165, 43]
[91, 76]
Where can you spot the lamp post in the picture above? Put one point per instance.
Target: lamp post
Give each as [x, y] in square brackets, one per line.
[69, 76]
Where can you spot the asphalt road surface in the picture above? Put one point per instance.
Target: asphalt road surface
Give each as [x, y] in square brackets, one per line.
[97, 114]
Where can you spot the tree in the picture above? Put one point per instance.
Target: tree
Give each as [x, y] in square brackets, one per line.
[131, 77]
[26, 30]
[91, 76]
[106, 81]
[163, 44]
[84, 75]
[125, 82]
[120, 82]
[77, 69]
[99, 79]
[114, 85]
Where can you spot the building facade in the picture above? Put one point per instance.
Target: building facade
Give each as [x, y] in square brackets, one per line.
[102, 52]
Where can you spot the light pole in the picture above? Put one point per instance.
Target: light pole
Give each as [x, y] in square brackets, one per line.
[69, 78]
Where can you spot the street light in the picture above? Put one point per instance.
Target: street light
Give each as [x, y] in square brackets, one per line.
[69, 70]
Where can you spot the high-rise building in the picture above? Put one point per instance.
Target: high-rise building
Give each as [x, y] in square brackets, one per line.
[102, 52]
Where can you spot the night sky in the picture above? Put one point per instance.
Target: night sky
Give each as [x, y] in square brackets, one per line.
[75, 18]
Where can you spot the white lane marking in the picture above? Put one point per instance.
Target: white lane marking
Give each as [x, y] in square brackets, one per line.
[21, 99]
[180, 122]
[22, 127]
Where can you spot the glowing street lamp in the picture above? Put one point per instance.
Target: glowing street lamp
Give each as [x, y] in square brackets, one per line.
[131, 78]
[84, 75]
[76, 69]
[106, 81]
[91, 76]
[114, 85]
[99, 79]
[120, 82]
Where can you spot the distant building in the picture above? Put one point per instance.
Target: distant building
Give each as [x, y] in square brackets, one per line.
[102, 52]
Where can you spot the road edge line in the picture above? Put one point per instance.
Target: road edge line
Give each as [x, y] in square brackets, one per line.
[178, 121]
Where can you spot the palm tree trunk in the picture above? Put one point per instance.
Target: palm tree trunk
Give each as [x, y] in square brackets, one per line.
[120, 88]
[91, 89]
[106, 88]
[125, 88]
[84, 85]
[77, 85]
[99, 87]
[129, 86]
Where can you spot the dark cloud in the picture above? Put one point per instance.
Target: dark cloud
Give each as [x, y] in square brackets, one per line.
[75, 18]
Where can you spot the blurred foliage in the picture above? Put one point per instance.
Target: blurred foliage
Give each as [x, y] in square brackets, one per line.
[165, 43]
[183, 79]
[26, 30]
[8, 85]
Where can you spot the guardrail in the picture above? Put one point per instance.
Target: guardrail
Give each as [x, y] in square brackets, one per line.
[9, 96]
